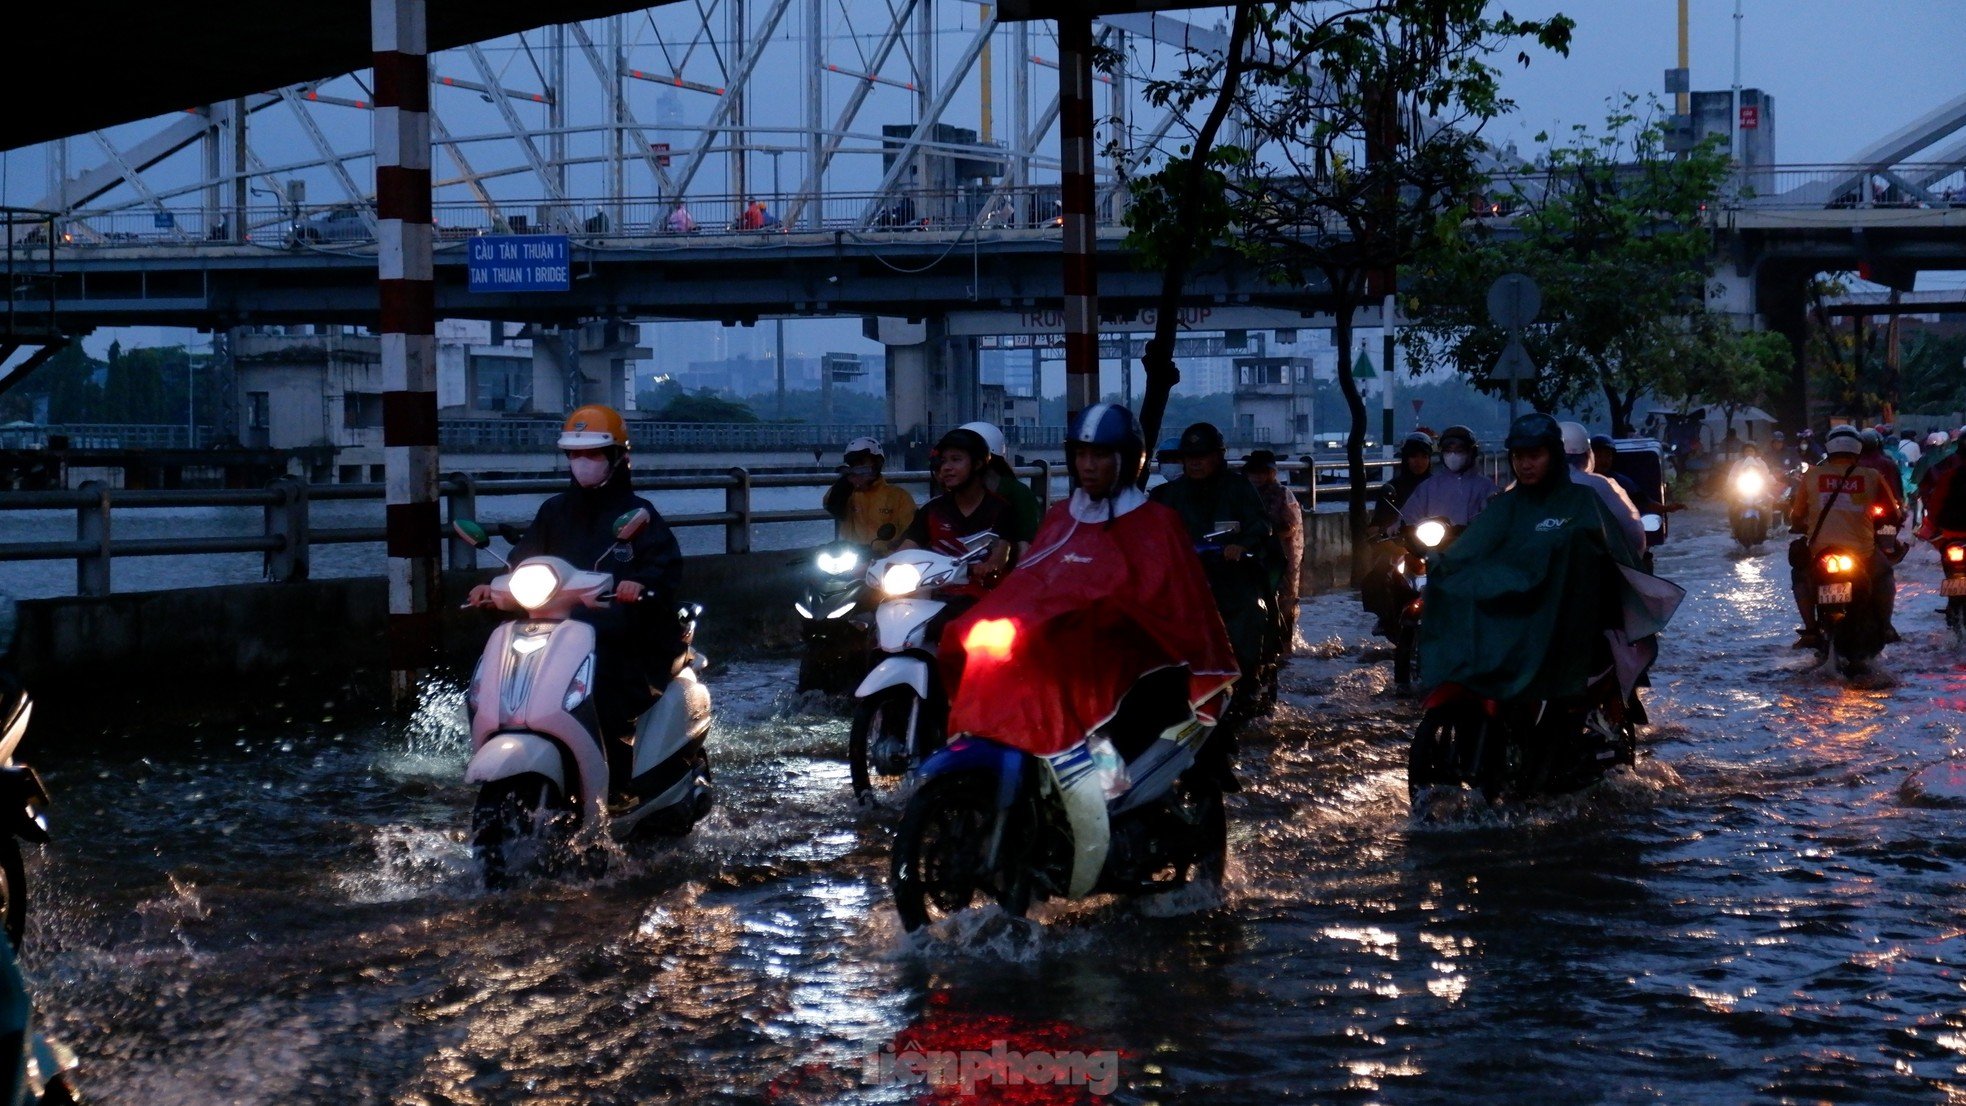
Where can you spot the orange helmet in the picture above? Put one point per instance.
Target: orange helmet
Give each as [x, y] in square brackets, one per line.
[594, 427]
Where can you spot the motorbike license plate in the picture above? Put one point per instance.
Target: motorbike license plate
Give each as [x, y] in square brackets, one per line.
[1952, 585]
[1833, 593]
[1750, 514]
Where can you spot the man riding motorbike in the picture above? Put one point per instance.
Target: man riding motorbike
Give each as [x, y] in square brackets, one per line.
[965, 508]
[1209, 499]
[1110, 592]
[1286, 523]
[870, 511]
[637, 639]
[1577, 454]
[1840, 503]
[1001, 479]
[1519, 607]
[1457, 491]
[1378, 590]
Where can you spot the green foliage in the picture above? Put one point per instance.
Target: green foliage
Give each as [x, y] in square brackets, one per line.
[141, 386]
[1612, 229]
[671, 403]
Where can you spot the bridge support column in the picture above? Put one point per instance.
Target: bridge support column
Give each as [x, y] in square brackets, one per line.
[1076, 156]
[407, 324]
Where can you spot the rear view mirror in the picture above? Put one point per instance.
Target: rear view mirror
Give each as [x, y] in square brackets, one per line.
[631, 524]
[979, 540]
[885, 533]
[473, 534]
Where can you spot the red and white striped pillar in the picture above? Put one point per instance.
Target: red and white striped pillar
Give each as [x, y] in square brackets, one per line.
[407, 326]
[1081, 278]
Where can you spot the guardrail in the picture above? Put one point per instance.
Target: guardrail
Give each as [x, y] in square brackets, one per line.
[286, 536]
[592, 222]
[529, 435]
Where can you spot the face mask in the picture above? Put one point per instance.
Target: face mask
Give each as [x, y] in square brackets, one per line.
[1455, 461]
[589, 472]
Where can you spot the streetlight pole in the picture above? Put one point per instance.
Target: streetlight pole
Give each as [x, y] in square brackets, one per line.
[778, 342]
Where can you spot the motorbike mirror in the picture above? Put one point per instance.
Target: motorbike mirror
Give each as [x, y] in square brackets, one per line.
[631, 524]
[1653, 524]
[1218, 535]
[473, 534]
[979, 540]
[885, 533]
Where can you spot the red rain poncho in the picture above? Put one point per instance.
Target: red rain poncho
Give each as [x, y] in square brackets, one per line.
[1044, 659]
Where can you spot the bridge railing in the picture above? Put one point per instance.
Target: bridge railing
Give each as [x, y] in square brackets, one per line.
[632, 220]
[286, 536]
[536, 435]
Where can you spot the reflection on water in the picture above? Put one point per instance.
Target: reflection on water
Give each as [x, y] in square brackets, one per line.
[1764, 909]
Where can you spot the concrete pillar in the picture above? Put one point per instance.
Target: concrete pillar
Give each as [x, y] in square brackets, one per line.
[1076, 183]
[407, 325]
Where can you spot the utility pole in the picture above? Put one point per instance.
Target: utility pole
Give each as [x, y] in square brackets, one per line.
[1683, 101]
[1737, 146]
[1081, 276]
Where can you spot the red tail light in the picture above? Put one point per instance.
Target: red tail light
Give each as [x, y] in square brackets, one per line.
[1956, 553]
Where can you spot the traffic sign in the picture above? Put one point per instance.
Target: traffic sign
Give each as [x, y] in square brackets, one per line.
[1514, 364]
[520, 263]
[1514, 300]
[1750, 117]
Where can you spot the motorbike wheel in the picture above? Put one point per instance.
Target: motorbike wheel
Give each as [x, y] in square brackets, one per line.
[13, 891]
[1446, 748]
[1406, 649]
[510, 811]
[938, 853]
[1211, 862]
[884, 713]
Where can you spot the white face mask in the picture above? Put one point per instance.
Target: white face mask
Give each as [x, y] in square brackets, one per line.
[589, 472]
[1455, 461]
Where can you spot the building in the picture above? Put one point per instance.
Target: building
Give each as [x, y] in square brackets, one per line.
[1274, 403]
[320, 387]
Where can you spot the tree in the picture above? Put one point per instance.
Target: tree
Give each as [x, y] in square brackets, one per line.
[671, 403]
[1356, 125]
[1728, 368]
[1612, 228]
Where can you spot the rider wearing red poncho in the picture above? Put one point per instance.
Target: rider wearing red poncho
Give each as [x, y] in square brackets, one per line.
[1110, 591]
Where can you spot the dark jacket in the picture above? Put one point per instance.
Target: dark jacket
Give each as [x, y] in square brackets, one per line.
[1394, 493]
[1204, 506]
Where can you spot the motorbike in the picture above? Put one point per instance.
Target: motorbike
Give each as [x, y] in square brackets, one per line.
[1952, 586]
[36, 1068]
[1852, 631]
[541, 764]
[1425, 539]
[900, 707]
[832, 623]
[1259, 696]
[1117, 813]
[1751, 509]
[1509, 751]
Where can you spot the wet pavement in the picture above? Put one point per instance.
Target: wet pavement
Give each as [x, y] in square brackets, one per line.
[1769, 909]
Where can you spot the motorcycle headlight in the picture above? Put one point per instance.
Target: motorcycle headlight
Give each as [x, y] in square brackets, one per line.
[840, 611]
[901, 579]
[1750, 483]
[533, 585]
[580, 685]
[801, 608]
[1430, 533]
[839, 564]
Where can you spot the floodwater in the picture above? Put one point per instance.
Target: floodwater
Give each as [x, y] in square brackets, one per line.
[1768, 910]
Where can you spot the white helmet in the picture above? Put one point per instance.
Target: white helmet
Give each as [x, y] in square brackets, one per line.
[1936, 438]
[1577, 443]
[865, 445]
[991, 434]
[1843, 439]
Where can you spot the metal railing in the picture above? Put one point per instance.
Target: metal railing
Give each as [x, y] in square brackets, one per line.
[107, 435]
[593, 222]
[527, 435]
[286, 535]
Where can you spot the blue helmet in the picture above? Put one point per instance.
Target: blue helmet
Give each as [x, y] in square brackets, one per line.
[1113, 427]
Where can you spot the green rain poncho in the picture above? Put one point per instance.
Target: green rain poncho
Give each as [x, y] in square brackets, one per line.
[1518, 607]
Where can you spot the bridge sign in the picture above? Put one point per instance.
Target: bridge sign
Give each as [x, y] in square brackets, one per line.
[520, 263]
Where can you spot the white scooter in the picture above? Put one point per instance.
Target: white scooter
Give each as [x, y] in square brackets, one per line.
[900, 708]
[537, 754]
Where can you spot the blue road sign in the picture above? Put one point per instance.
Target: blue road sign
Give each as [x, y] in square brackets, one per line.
[520, 263]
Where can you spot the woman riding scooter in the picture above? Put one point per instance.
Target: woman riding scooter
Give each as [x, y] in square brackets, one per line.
[637, 638]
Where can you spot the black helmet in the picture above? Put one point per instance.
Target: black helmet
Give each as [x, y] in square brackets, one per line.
[1535, 429]
[1458, 434]
[1202, 437]
[1418, 443]
[966, 441]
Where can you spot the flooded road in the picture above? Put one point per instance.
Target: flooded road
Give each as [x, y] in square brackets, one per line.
[1765, 911]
